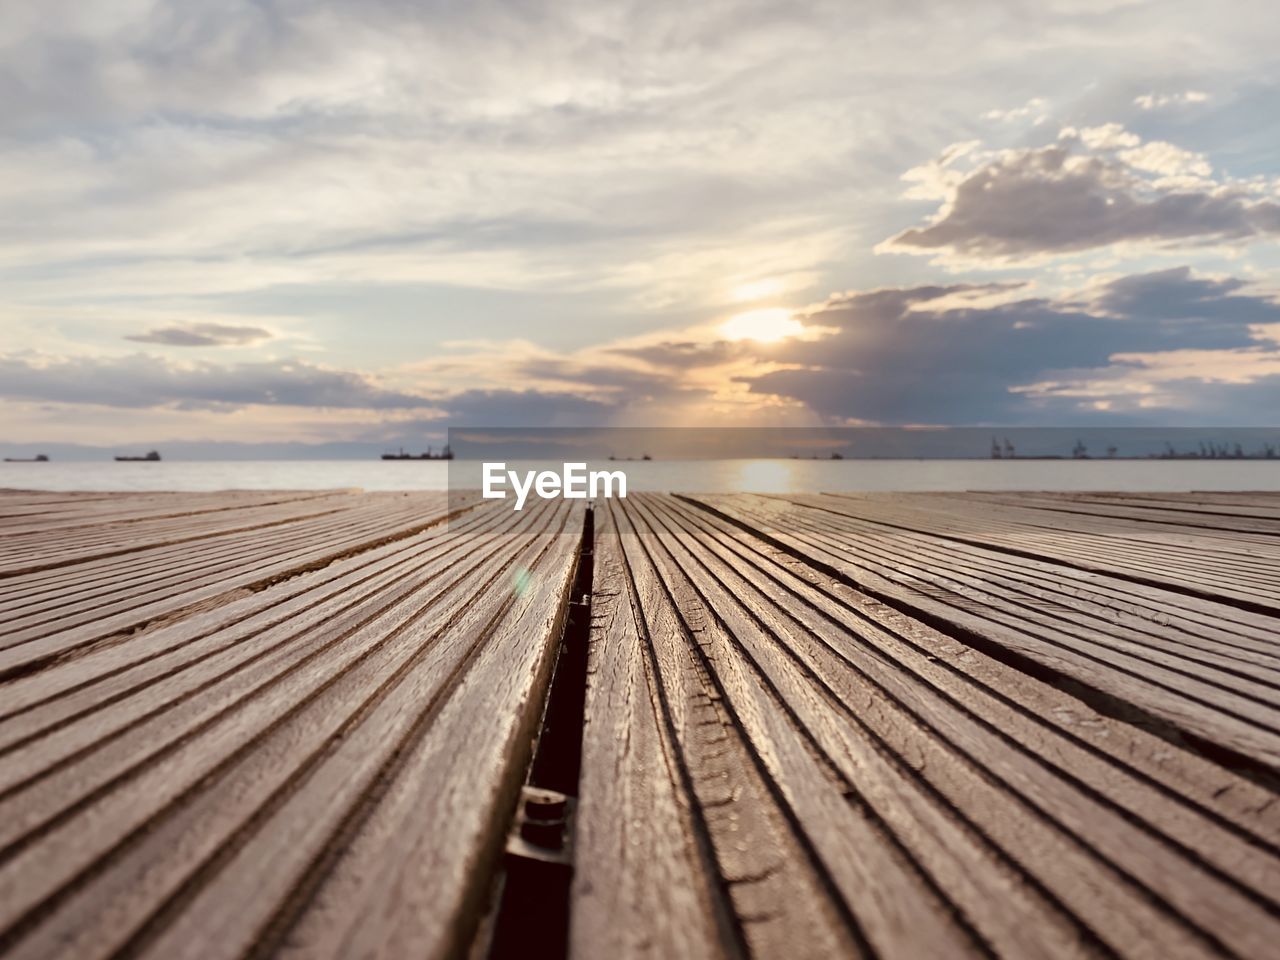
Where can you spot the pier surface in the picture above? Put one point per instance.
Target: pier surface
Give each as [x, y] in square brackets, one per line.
[266, 724]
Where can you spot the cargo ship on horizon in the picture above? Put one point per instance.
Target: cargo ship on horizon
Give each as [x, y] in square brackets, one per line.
[444, 454]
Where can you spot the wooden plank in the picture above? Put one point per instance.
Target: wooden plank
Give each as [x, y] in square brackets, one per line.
[1197, 563]
[1002, 693]
[748, 848]
[41, 550]
[36, 601]
[373, 687]
[73, 723]
[1167, 514]
[1180, 701]
[1010, 516]
[84, 624]
[645, 882]
[129, 540]
[1232, 507]
[129, 577]
[104, 674]
[405, 883]
[892, 906]
[184, 514]
[1011, 587]
[91, 577]
[877, 725]
[1220, 912]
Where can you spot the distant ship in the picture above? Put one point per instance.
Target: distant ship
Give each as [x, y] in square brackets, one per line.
[151, 457]
[444, 454]
[38, 458]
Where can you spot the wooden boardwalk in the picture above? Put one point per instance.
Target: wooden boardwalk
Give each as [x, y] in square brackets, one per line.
[338, 724]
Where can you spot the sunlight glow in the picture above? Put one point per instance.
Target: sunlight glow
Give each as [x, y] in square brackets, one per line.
[758, 289]
[766, 325]
[766, 476]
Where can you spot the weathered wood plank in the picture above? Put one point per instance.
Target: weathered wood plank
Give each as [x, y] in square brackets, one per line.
[36, 640]
[937, 751]
[105, 674]
[1012, 586]
[104, 886]
[68, 528]
[757, 858]
[1244, 570]
[896, 910]
[645, 883]
[294, 724]
[1250, 729]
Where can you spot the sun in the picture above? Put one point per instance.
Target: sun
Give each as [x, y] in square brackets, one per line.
[766, 325]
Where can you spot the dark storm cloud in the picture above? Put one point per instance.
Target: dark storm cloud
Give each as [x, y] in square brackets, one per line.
[140, 381]
[202, 335]
[897, 359]
[1245, 404]
[1057, 199]
[1177, 294]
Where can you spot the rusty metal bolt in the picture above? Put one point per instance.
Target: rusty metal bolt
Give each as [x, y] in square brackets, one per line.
[545, 833]
[544, 805]
[544, 817]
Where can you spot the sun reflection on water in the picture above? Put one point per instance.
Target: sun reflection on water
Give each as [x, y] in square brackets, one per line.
[766, 476]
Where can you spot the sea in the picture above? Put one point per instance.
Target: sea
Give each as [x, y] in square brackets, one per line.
[693, 476]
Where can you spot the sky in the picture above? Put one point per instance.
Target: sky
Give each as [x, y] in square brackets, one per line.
[365, 221]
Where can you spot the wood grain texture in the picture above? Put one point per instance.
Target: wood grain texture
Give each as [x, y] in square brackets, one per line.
[266, 724]
[249, 773]
[986, 715]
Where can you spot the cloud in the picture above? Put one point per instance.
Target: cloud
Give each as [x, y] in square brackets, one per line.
[140, 381]
[262, 133]
[1106, 136]
[910, 355]
[202, 335]
[1236, 387]
[1035, 108]
[960, 353]
[1178, 296]
[1092, 188]
[1168, 161]
[525, 408]
[1154, 101]
[607, 170]
[682, 376]
[684, 354]
[223, 145]
[1145, 346]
